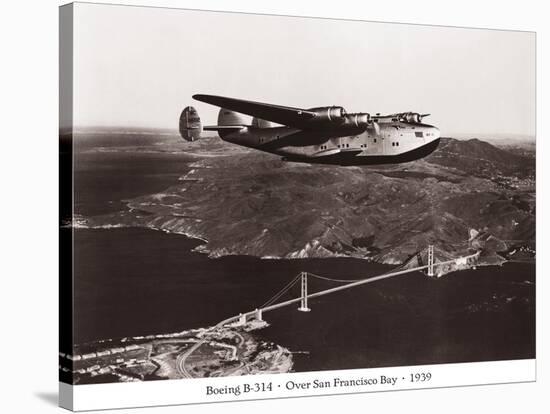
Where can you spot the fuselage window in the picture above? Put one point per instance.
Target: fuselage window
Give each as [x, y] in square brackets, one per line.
[418, 134]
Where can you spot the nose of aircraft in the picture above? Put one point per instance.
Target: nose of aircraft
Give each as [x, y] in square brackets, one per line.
[436, 133]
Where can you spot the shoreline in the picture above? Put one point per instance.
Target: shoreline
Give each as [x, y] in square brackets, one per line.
[144, 358]
[291, 256]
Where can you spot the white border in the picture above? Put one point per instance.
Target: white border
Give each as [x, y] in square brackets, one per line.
[196, 390]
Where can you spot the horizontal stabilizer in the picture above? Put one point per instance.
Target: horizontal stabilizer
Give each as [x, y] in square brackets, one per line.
[224, 127]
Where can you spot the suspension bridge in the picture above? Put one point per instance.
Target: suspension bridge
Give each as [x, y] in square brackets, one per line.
[433, 268]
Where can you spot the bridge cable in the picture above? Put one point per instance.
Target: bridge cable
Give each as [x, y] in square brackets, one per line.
[281, 292]
[395, 269]
[331, 279]
[293, 281]
[276, 297]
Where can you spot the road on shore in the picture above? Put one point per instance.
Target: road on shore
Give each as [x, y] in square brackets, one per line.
[182, 358]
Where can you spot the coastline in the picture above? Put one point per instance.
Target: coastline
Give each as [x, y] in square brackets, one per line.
[203, 242]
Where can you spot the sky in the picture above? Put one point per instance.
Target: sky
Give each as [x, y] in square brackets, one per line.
[140, 66]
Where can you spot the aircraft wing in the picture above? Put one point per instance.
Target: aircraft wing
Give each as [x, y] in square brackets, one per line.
[285, 115]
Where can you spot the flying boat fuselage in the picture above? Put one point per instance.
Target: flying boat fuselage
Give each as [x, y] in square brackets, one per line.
[393, 142]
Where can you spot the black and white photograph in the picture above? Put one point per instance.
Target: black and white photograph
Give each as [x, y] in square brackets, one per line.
[252, 194]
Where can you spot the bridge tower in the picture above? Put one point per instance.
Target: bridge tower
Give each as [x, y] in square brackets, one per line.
[303, 303]
[431, 260]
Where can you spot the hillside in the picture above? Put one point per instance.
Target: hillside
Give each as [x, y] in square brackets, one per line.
[247, 202]
[481, 158]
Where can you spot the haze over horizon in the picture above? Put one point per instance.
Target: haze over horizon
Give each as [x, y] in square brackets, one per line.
[138, 67]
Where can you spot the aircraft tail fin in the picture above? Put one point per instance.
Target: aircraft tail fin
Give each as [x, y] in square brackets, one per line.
[227, 117]
[190, 124]
[229, 122]
[261, 123]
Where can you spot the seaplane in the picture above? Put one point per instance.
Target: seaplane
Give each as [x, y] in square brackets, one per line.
[321, 135]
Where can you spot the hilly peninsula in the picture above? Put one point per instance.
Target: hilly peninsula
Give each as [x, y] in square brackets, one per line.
[467, 195]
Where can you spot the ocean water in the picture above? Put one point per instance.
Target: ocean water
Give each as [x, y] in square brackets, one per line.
[103, 180]
[134, 281]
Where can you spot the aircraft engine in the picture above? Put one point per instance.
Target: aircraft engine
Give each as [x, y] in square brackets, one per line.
[360, 119]
[412, 117]
[329, 115]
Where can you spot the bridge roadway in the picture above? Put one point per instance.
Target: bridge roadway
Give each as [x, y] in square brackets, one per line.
[180, 363]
